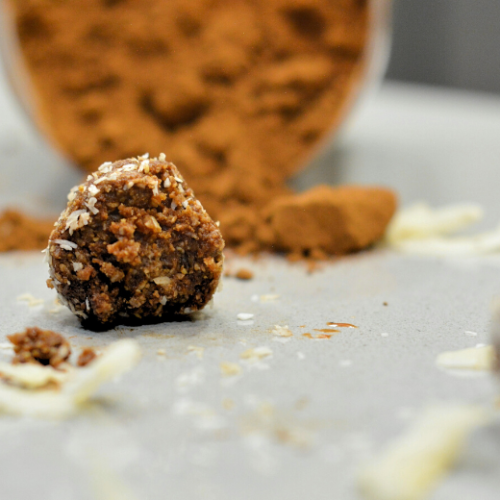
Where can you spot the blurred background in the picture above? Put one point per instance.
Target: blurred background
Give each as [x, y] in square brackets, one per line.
[447, 43]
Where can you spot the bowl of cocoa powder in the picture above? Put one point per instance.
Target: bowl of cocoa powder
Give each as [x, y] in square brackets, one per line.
[239, 94]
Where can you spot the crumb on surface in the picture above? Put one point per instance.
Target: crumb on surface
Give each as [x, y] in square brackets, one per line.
[86, 356]
[35, 345]
[244, 274]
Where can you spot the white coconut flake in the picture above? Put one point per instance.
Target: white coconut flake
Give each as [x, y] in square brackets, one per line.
[162, 157]
[282, 331]
[72, 193]
[129, 167]
[411, 466]
[475, 358]
[77, 266]
[178, 179]
[105, 167]
[244, 316]
[102, 179]
[163, 281]
[156, 191]
[479, 244]
[145, 156]
[424, 231]
[163, 300]
[421, 221]
[31, 375]
[66, 244]
[93, 189]
[173, 206]
[167, 182]
[32, 301]
[256, 353]
[76, 220]
[184, 204]
[81, 384]
[91, 205]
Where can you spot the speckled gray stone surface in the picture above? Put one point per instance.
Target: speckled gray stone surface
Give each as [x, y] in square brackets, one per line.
[300, 422]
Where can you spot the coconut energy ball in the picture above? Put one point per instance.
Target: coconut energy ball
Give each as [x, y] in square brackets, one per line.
[134, 244]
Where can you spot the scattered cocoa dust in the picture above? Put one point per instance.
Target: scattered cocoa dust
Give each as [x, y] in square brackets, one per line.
[23, 232]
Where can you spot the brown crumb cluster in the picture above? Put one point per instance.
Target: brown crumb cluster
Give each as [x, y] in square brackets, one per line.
[240, 93]
[244, 274]
[134, 244]
[86, 356]
[35, 345]
[22, 232]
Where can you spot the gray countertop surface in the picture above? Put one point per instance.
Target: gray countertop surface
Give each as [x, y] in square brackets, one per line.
[300, 423]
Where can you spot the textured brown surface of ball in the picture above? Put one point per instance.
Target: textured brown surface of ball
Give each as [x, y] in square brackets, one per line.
[134, 245]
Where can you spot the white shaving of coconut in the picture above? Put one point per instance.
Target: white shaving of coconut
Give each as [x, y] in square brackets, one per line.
[162, 280]
[475, 358]
[72, 193]
[425, 231]
[162, 157]
[93, 189]
[91, 205]
[480, 244]
[77, 219]
[421, 221]
[32, 376]
[105, 167]
[155, 188]
[167, 183]
[77, 266]
[66, 244]
[412, 464]
[129, 167]
[144, 166]
[282, 331]
[81, 384]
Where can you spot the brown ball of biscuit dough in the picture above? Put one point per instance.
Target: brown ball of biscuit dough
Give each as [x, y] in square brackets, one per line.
[134, 245]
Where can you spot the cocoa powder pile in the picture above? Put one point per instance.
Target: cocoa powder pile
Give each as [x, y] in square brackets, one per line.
[23, 232]
[238, 93]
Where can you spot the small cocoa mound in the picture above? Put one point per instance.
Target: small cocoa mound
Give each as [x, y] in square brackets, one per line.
[244, 274]
[35, 345]
[331, 220]
[22, 232]
[239, 92]
[86, 356]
